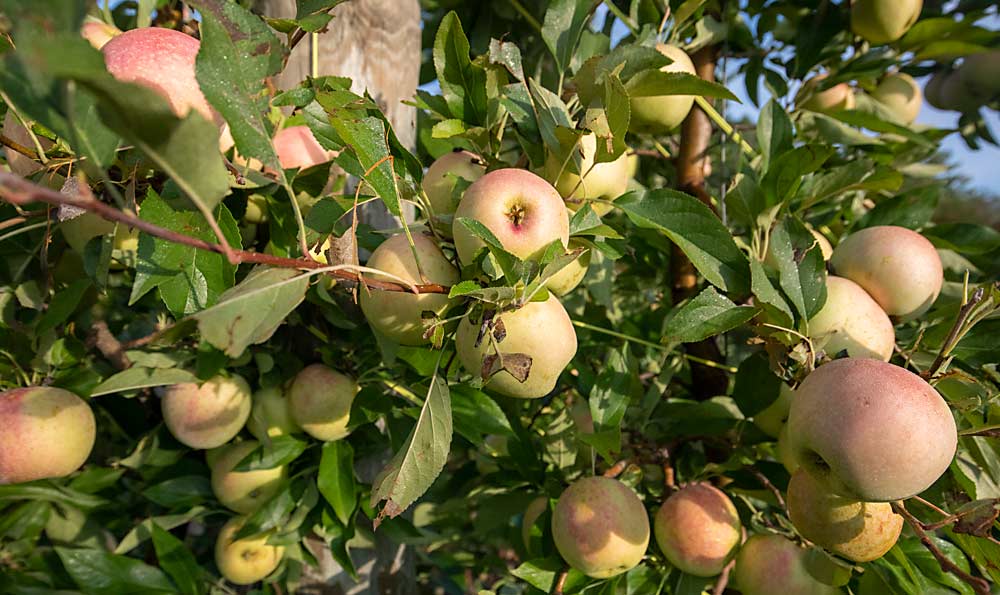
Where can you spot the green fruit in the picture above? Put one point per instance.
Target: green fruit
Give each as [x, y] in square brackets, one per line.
[441, 180]
[243, 491]
[248, 560]
[901, 95]
[663, 113]
[774, 565]
[774, 416]
[884, 21]
[271, 415]
[320, 400]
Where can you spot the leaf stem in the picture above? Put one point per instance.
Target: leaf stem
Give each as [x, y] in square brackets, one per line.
[527, 15]
[698, 360]
[725, 126]
[621, 16]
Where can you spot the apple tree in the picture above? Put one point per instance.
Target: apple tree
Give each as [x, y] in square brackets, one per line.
[640, 336]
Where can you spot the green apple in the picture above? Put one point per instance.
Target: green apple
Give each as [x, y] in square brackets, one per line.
[600, 527]
[398, 315]
[570, 276]
[773, 417]
[581, 178]
[45, 432]
[901, 95]
[774, 565]
[243, 491]
[837, 97]
[884, 21]
[271, 415]
[248, 560]
[441, 179]
[871, 431]
[663, 113]
[320, 399]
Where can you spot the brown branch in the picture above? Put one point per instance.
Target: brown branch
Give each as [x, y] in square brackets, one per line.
[770, 487]
[19, 191]
[16, 146]
[109, 346]
[951, 339]
[723, 580]
[19, 220]
[979, 585]
[560, 583]
[616, 469]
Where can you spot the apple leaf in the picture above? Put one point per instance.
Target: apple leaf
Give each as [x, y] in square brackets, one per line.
[98, 571]
[137, 377]
[707, 315]
[564, 22]
[336, 479]
[463, 84]
[801, 268]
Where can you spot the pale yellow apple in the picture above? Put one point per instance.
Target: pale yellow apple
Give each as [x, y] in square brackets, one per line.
[208, 415]
[541, 330]
[884, 21]
[837, 97]
[97, 32]
[243, 491]
[245, 561]
[600, 527]
[320, 399]
[663, 113]
[581, 178]
[901, 95]
[441, 179]
[851, 321]
[570, 276]
[45, 432]
[398, 315]
[773, 417]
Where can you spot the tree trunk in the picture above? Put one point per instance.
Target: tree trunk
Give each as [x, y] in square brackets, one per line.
[376, 43]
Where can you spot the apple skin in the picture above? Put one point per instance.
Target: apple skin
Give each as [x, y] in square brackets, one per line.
[271, 415]
[257, 211]
[837, 97]
[209, 415]
[162, 60]
[606, 181]
[570, 276]
[898, 267]
[772, 565]
[395, 314]
[858, 531]
[783, 451]
[522, 210]
[948, 91]
[440, 180]
[980, 74]
[871, 431]
[884, 21]
[600, 527]
[47, 432]
[243, 491]
[245, 561]
[663, 113]
[901, 95]
[20, 164]
[851, 320]
[698, 529]
[773, 417]
[298, 148]
[320, 399]
[97, 32]
[535, 509]
[541, 330]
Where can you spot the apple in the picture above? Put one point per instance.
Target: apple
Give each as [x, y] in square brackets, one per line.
[243, 491]
[19, 164]
[948, 91]
[320, 400]
[772, 565]
[298, 148]
[605, 181]
[662, 113]
[209, 415]
[884, 21]
[256, 211]
[600, 527]
[441, 179]
[783, 450]
[851, 320]
[568, 277]
[898, 267]
[521, 209]
[271, 415]
[162, 60]
[858, 531]
[773, 417]
[837, 97]
[542, 331]
[245, 561]
[535, 509]
[901, 95]
[871, 431]
[97, 32]
[980, 74]
[398, 315]
[698, 529]
[47, 432]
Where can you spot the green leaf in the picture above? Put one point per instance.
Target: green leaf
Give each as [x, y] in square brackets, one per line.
[774, 304]
[476, 415]
[279, 451]
[609, 399]
[542, 573]
[188, 279]
[561, 29]
[100, 572]
[707, 315]
[801, 268]
[964, 238]
[786, 171]
[230, 35]
[654, 83]
[143, 531]
[418, 463]
[463, 84]
[697, 232]
[180, 492]
[336, 479]
[63, 304]
[756, 387]
[250, 312]
[138, 377]
[177, 561]
[774, 132]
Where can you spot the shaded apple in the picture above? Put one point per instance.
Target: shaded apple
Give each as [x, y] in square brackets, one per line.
[535, 509]
[979, 74]
[775, 565]
[856, 530]
[834, 98]
[698, 529]
[871, 431]
[521, 209]
[320, 399]
[901, 95]
[662, 113]
[898, 267]
[399, 315]
[208, 415]
[581, 178]
[243, 491]
[851, 321]
[773, 417]
[541, 331]
[271, 415]
[248, 560]
[884, 21]
[97, 32]
[441, 180]
[600, 527]
[47, 432]
[570, 276]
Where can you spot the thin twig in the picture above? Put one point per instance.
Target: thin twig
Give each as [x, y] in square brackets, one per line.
[616, 469]
[18, 191]
[723, 580]
[19, 220]
[16, 146]
[770, 487]
[951, 340]
[560, 582]
[978, 584]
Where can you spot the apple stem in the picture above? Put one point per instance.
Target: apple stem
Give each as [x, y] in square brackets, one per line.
[723, 580]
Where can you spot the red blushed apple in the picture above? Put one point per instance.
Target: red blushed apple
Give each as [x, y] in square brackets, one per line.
[162, 60]
[522, 210]
[298, 148]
